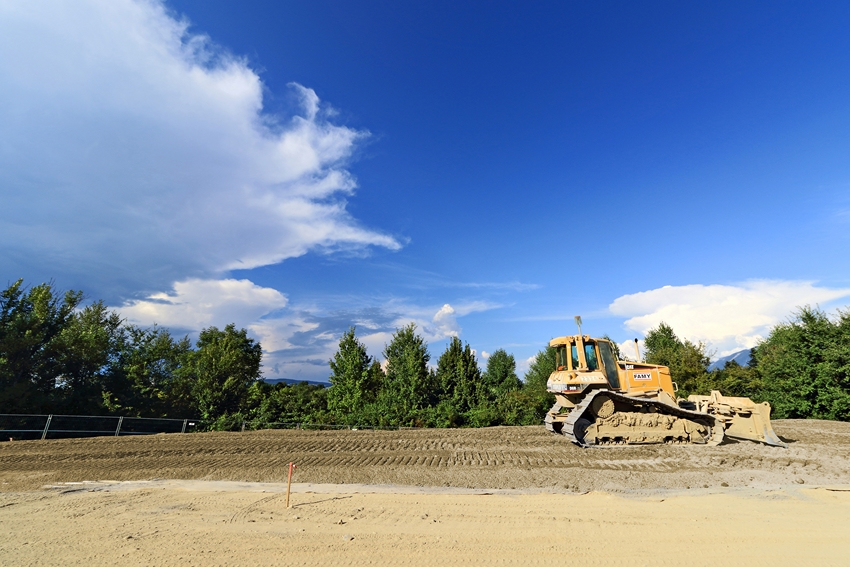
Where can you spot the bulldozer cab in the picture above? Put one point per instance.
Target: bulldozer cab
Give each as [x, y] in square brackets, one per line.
[584, 354]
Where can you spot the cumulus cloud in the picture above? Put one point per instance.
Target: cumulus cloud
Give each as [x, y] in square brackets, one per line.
[726, 317]
[134, 154]
[444, 322]
[194, 304]
[627, 350]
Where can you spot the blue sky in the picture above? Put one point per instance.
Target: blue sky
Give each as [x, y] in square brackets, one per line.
[485, 170]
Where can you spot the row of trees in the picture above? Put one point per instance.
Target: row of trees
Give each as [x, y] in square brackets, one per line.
[802, 368]
[59, 357]
[409, 392]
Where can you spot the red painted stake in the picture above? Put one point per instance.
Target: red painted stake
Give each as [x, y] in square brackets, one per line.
[289, 482]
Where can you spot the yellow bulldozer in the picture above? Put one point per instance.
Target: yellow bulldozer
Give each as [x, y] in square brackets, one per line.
[601, 401]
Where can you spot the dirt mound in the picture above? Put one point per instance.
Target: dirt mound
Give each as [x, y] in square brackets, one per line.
[498, 457]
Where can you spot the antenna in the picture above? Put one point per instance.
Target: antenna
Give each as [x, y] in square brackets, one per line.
[578, 322]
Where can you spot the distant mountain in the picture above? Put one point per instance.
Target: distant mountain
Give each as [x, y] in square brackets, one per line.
[742, 357]
[291, 381]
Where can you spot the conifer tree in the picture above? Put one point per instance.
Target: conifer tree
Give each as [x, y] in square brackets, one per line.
[458, 375]
[499, 378]
[407, 385]
[351, 377]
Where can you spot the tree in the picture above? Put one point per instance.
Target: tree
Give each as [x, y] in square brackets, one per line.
[458, 375]
[31, 346]
[736, 380]
[535, 399]
[222, 369]
[661, 345]
[352, 378]
[407, 386]
[687, 361]
[540, 368]
[287, 403]
[90, 341]
[499, 378]
[147, 379]
[805, 366]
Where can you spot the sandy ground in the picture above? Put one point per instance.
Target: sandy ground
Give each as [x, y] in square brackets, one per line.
[172, 524]
[495, 496]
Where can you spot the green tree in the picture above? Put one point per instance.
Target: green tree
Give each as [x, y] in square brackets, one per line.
[376, 379]
[736, 380]
[221, 370]
[499, 378]
[805, 366]
[89, 342]
[662, 346]
[458, 375]
[408, 383]
[286, 403]
[146, 378]
[688, 362]
[540, 369]
[31, 345]
[524, 407]
[535, 400]
[352, 379]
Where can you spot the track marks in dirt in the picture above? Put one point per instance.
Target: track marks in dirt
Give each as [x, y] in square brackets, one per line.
[499, 457]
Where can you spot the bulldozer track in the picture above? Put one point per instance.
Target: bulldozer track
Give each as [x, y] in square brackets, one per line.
[581, 412]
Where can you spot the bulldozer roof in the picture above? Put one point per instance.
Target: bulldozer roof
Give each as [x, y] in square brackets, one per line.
[570, 339]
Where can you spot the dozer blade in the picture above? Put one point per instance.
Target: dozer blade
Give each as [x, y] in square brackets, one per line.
[744, 418]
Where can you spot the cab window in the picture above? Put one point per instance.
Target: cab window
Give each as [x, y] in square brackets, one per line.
[561, 358]
[590, 357]
[574, 356]
[610, 365]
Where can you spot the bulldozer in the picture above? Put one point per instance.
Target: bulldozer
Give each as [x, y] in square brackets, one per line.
[601, 401]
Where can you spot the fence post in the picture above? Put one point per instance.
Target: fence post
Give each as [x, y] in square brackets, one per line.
[46, 427]
[118, 429]
[243, 427]
[185, 421]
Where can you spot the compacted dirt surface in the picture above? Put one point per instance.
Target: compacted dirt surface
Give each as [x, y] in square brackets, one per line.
[504, 495]
[499, 457]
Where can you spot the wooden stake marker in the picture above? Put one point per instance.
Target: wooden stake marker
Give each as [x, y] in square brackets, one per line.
[289, 482]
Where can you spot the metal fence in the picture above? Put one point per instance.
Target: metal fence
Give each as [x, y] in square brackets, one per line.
[20, 427]
[54, 426]
[242, 425]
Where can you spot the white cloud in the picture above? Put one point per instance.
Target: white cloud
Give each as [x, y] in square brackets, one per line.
[195, 304]
[726, 317]
[439, 325]
[627, 350]
[134, 154]
[444, 322]
[299, 340]
[485, 355]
